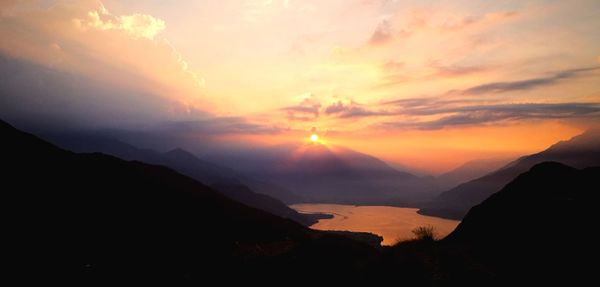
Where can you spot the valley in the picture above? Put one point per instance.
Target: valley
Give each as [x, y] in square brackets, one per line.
[394, 224]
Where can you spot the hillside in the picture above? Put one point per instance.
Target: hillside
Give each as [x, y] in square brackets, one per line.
[469, 171]
[580, 152]
[332, 174]
[93, 218]
[535, 226]
[222, 179]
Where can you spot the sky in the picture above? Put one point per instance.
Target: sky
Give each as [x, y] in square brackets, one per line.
[427, 84]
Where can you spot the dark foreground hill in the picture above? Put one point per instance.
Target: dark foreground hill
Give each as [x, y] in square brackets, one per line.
[536, 230]
[95, 218]
[580, 152]
[92, 219]
[540, 224]
[221, 179]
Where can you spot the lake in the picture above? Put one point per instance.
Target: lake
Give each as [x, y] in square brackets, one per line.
[392, 223]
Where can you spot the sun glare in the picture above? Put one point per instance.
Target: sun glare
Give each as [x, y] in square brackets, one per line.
[314, 138]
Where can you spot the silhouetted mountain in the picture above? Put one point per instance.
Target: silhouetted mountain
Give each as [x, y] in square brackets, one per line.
[326, 173]
[92, 219]
[96, 219]
[535, 231]
[537, 226]
[469, 171]
[220, 178]
[580, 152]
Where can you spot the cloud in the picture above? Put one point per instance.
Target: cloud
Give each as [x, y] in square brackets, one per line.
[45, 99]
[308, 108]
[437, 113]
[488, 114]
[34, 94]
[220, 126]
[75, 44]
[503, 87]
[302, 112]
[137, 25]
[382, 34]
[392, 66]
[351, 110]
[462, 22]
[335, 108]
[455, 70]
[427, 104]
[395, 73]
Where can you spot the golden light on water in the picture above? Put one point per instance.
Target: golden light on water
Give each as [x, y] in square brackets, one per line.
[392, 223]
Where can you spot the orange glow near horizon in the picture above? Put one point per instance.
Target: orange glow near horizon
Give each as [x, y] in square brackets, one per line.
[314, 138]
[425, 84]
[435, 152]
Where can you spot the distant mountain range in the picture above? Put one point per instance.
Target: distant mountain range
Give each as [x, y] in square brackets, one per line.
[580, 151]
[331, 174]
[470, 170]
[222, 179]
[93, 219]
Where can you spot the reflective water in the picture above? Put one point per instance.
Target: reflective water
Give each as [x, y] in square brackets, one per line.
[392, 223]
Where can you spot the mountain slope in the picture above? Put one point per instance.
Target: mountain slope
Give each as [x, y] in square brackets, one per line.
[326, 173]
[93, 218]
[580, 152]
[222, 179]
[537, 225]
[469, 171]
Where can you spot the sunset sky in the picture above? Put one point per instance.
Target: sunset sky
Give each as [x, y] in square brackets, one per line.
[428, 84]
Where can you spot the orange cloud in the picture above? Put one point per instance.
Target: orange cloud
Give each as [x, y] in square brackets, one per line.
[85, 38]
[137, 25]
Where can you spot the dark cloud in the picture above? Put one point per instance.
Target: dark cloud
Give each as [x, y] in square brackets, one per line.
[351, 110]
[416, 112]
[487, 114]
[37, 97]
[33, 94]
[308, 109]
[502, 87]
[427, 105]
[335, 108]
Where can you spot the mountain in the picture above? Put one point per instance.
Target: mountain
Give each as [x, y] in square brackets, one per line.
[537, 230]
[332, 174]
[234, 187]
[94, 219]
[224, 180]
[580, 152]
[468, 171]
[537, 226]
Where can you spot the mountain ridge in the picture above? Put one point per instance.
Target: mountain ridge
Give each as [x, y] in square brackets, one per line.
[330, 174]
[536, 218]
[93, 219]
[223, 179]
[580, 151]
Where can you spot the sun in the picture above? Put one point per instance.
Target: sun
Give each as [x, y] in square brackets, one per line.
[314, 138]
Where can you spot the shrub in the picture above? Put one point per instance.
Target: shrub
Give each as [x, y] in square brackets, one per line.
[425, 233]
